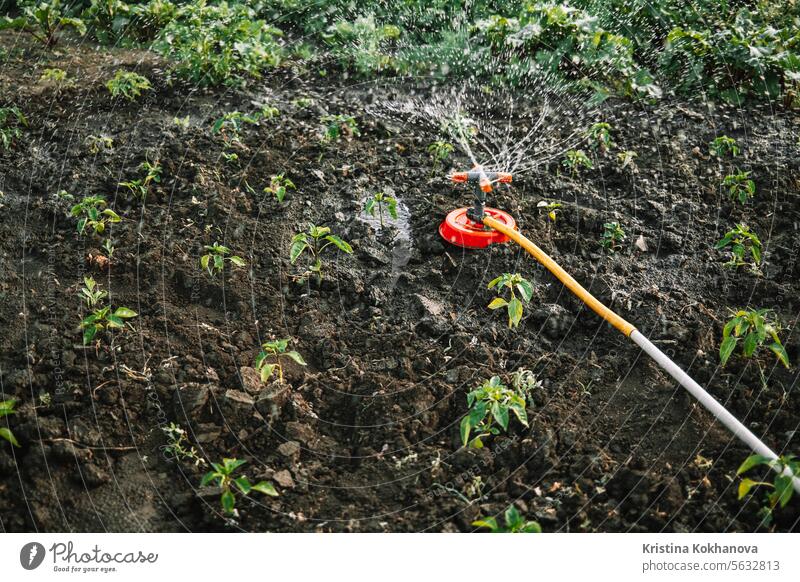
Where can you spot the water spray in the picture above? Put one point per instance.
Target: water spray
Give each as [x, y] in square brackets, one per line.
[478, 227]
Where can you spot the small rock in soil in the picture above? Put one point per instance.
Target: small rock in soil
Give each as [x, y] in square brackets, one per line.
[290, 450]
[284, 479]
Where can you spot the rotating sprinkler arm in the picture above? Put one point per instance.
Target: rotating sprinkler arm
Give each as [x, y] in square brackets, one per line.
[483, 181]
[709, 402]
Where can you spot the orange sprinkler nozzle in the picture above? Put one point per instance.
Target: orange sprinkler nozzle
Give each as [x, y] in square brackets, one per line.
[504, 177]
[486, 184]
[460, 177]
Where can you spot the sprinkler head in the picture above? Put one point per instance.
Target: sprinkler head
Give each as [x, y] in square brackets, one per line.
[464, 227]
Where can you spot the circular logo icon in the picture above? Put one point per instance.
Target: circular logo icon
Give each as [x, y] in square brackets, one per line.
[31, 555]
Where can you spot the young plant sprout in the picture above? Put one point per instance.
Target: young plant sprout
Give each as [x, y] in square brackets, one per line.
[574, 160]
[231, 124]
[101, 317]
[7, 408]
[214, 260]
[514, 523]
[43, 21]
[11, 120]
[781, 489]
[178, 446]
[378, 201]
[740, 186]
[599, 137]
[57, 77]
[140, 188]
[741, 242]
[723, 145]
[753, 327]
[278, 186]
[514, 282]
[439, 152]
[489, 407]
[96, 144]
[336, 127]
[551, 208]
[627, 160]
[224, 476]
[275, 349]
[128, 85]
[93, 214]
[613, 235]
[315, 241]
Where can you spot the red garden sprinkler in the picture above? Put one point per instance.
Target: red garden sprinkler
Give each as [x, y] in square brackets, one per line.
[464, 227]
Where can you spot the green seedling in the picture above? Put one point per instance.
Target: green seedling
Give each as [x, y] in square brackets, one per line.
[230, 158]
[439, 152]
[612, 237]
[741, 242]
[723, 145]
[753, 327]
[101, 317]
[515, 283]
[490, 406]
[379, 201]
[275, 349]
[230, 125]
[740, 186]
[43, 21]
[109, 248]
[278, 186]
[128, 85]
[182, 122]
[551, 208]
[627, 160]
[315, 241]
[92, 214]
[214, 260]
[6, 409]
[574, 160]
[303, 102]
[780, 489]
[599, 137]
[141, 187]
[178, 446]
[514, 523]
[11, 122]
[57, 77]
[224, 476]
[96, 144]
[336, 127]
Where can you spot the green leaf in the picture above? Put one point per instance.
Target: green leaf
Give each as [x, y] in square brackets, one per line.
[726, 349]
[780, 351]
[125, 313]
[488, 522]
[514, 312]
[466, 428]
[494, 282]
[204, 261]
[243, 483]
[526, 290]
[208, 478]
[266, 488]
[497, 303]
[298, 246]
[228, 501]
[114, 322]
[520, 412]
[296, 357]
[512, 516]
[369, 207]
[89, 333]
[500, 414]
[752, 461]
[783, 489]
[342, 245]
[750, 344]
[266, 372]
[6, 434]
[238, 261]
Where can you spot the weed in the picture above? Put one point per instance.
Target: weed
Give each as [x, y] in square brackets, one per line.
[275, 349]
[96, 144]
[315, 241]
[91, 213]
[379, 200]
[574, 160]
[7, 408]
[514, 523]
[740, 186]
[224, 476]
[278, 186]
[178, 446]
[214, 260]
[101, 317]
[11, 120]
[489, 407]
[439, 152]
[599, 137]
[754, 327]
[128, 85]
[741, 240]
[723, 145]
[336, 127]
[781, 489]
[44, 21]
[551, 208]
[514, 283]
[612, 237]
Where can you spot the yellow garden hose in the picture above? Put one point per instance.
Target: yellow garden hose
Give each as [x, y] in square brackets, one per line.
[708, 401]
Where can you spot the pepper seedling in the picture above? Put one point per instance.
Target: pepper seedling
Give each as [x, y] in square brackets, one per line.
[723, 145]
[754, 326]
[740, 186]
[315, 241]
[612, 237]
[741, 240]
[101, 317]
[781, 489]
[224, 476]
[128, 85]
[599, 137]
[489, 408]
[7, 408]
[514, 523]
[11, 120]
[514, 282]
[214, 260]
[93, 214]
[379, 200]
[278, 186]
[574, 160]
[275, 349]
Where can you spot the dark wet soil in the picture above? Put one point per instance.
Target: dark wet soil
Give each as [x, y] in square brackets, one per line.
[366, 437]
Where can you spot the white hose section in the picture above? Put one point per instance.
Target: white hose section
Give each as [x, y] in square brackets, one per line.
[708, 401]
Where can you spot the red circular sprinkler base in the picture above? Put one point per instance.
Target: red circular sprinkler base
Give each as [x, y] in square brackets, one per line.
[459, 230]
